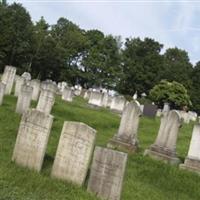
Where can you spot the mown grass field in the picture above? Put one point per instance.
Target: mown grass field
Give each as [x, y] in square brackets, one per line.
[145, 179]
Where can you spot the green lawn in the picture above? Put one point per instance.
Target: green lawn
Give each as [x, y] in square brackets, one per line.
[144, 179]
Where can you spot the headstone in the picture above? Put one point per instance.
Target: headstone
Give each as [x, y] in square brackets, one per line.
[74, 152]
[46, 101]
[26, 76]
[192, 116]
[67, 94]
[118, 104]
[49, 85]
[24, 99]
[126, 138]
[32, 138]
[164, 147]
[104, 102]
[95, 98]
[110, 99]
[166, 107]
[35, 84]
[2, 92]
[185, 116]
[8, 78]
[150, 110]
[18, 84]
[142, 107]
[159, 113]
[87, 94]
[192, 161]
[107, 173]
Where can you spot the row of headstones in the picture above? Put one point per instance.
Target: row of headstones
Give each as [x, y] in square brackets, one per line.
[73, 155]
[164, 147]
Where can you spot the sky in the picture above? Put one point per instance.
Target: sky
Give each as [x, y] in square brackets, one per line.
[174, 23]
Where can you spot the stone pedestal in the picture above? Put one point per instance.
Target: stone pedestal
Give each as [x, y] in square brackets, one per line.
[126, 138]
[24, 99]
[8, 78]
[164, 147]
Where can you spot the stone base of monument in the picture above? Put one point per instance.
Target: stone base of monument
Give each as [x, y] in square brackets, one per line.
[116, 143]
[164, 155]
[191, 165]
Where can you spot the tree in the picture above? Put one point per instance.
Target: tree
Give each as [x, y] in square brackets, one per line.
[172, 92]
[177, 67]
[194, 92]
[142, 66]
[16, 36]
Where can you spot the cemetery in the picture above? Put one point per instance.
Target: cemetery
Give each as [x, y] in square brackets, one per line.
[93, 115]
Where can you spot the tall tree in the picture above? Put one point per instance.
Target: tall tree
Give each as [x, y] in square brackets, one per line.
[142, 65]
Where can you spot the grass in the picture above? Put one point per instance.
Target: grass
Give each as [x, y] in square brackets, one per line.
[145, 179]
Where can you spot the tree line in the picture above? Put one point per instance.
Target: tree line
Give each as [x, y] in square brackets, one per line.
[65, 52]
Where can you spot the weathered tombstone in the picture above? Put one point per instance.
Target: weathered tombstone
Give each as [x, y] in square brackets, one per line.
[107, 173]
[110, 99]
[192, 116]
[74, 152]
[104, 102]
[164, 147]
[185, 116]
[2, 92]
[35, 84]
[49, 85]
[150, 110]
[142, 107]
[18, 84]
[67, 94]
[26, 76]
[24, 99]
[166, 107]
[32, 138]
[159, 113]
[126, 138]
[46, 101]
[8, 78]
[192, 161]
[87, 94]
[118, 104]
[95, 98]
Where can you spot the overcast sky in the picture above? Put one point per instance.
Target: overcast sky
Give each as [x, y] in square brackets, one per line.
[172, 23]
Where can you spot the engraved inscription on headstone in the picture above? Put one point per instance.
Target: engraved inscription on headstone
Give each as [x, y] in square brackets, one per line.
[107, 173]
[74, 152]
[32, 138]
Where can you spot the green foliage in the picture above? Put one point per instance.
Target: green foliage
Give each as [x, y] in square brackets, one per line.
[172, 92]
[145, 178]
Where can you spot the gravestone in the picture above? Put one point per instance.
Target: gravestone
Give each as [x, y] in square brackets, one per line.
[150, 110]
[166, 107]
[104, 102]
[87, 94]
[126, 138]
[2, 92]
[74, 152]
[192, 161]
[95, 98]
[26, 76]
[46, 101]
[32, 138]
[35, 84]
[67, 94]
[159, 113]
[107, 173]
[49, 85]
[110, 99]
[24, 99]
[164, 147]
[8, 78]
[118, 104]
[192, 116]
[18, 84]
[185, 116]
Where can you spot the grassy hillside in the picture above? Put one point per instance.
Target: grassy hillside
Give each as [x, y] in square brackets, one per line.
[145, 178]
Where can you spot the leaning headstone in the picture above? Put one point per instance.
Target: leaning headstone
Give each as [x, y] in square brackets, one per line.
[18, 84]
[32, 138]
[192, 161]
[118, 104]
[150, 110]
[46, 101]
[126, 138]
[67, 94]
[2, 92]
[35, 84]
[26, 76]
[95, 99]
[24, 99]
[74, 152]
[8, 78]
[164, 147]
[107, 173]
